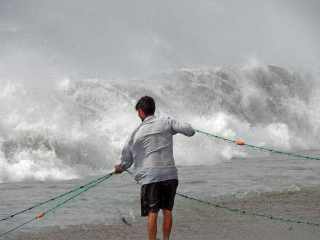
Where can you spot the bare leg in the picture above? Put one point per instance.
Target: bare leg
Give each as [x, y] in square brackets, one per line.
[167, 223]
[152, 225]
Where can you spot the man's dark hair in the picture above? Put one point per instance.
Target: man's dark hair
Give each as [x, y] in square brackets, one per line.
[147, 105]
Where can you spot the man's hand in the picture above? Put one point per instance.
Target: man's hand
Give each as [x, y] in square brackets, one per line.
[118, 168]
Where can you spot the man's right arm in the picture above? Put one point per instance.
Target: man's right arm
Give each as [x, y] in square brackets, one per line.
[126, 157]
[181, 127]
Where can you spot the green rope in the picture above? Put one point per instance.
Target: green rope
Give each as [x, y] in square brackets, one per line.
[77, 194]
[242, 211]
[16, 228]
[257, 147]
[248, 213]
[43, 214]
[12, 215]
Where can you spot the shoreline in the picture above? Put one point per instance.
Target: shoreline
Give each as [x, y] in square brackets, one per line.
[193, 220]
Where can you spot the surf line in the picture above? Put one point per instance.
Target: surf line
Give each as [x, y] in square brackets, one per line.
[77, 191]
[241, 142]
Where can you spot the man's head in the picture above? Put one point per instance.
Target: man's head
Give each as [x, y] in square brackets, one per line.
[145, 107]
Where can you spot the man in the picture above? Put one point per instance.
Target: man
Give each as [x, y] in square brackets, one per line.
[150, 149]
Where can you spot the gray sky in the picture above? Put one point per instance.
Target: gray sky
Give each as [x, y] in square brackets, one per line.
[128, 38]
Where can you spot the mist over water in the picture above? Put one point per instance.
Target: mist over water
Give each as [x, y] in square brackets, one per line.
[71, 72]
[121, 39]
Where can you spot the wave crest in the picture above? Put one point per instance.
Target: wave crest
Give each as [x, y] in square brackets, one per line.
[78, 127]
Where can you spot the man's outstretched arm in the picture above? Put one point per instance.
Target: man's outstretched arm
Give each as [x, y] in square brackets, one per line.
[126, 158]
[181, 127]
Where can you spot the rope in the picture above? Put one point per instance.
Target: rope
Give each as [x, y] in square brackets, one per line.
[241, 142]
[16, 228]
[243, 211]
[12, 215]
[248, 213]
[77, 194]
[43, 214]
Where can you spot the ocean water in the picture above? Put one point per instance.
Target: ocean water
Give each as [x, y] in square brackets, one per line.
[56, 137]
[118, 197]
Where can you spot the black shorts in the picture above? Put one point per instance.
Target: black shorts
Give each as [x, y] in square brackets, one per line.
[158, 195]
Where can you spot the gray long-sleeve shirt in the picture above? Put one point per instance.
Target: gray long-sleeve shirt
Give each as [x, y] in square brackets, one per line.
[150, 149]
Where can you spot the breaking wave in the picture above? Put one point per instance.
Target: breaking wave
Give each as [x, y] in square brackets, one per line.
[77, 127]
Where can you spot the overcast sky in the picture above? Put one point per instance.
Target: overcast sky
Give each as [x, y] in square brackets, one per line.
[128, 38]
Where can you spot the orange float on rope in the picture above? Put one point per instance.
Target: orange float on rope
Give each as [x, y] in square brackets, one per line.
[239, 142]
[40, 215]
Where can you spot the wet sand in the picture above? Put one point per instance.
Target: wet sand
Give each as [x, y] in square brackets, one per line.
[197, 221]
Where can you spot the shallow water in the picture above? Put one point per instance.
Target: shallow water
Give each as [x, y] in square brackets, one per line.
[118, 197]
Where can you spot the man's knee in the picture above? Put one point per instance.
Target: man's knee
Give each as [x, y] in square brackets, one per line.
[166, 212]
[152, 216]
